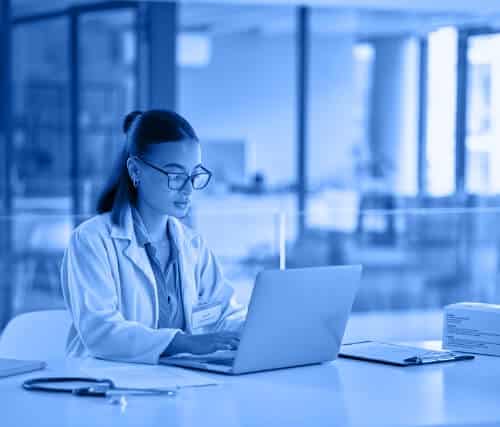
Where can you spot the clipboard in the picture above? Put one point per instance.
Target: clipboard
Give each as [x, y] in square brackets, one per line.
[399, 355]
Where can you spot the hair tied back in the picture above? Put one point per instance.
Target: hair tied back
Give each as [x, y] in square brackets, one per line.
[129, 119]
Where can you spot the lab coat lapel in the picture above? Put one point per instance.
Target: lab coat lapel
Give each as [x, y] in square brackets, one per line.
[135, 253]
[138, 256]
[186, 270]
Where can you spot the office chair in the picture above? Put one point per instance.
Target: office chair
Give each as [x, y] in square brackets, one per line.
[39, 335]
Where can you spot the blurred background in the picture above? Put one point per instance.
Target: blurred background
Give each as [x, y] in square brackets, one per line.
[360, 131]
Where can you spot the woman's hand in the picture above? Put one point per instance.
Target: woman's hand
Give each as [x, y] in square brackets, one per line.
[203, 343]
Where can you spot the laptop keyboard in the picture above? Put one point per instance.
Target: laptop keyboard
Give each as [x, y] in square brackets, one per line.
[214, 361]
[223, 358]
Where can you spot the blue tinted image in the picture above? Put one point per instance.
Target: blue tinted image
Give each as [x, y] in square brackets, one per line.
[156, 157]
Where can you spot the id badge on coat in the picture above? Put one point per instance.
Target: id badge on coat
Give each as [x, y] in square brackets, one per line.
[205, 315]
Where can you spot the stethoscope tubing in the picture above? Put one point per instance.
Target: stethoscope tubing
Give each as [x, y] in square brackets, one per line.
[97, 387]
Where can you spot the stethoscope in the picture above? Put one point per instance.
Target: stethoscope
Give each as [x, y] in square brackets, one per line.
[95, 388]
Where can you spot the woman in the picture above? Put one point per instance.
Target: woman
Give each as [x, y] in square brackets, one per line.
[138, 283]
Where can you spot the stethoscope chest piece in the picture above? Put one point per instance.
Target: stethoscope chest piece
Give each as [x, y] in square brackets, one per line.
[96, 388]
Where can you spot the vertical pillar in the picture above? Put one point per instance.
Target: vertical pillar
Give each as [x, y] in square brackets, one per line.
[74, 63]
[302, 105]
[461, 113]
[422, 116]
[5, 162]
[158, 49]
[394, 120]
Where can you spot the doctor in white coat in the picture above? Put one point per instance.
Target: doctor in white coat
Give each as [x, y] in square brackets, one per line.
[138, 283]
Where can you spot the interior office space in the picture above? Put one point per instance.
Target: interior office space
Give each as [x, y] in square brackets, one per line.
[338, 133]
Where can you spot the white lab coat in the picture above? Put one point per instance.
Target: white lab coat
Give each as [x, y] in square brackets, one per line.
[111, 293]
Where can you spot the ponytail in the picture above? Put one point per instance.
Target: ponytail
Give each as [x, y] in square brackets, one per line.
[119, 188]
[129, 119]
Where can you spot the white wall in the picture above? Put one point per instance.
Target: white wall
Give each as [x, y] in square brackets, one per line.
[249, 91]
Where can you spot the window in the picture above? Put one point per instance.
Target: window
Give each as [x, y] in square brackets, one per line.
[441, 110]
[483, 106]
[107, 93]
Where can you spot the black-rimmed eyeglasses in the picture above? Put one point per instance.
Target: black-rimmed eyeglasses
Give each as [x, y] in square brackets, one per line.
[177, 180]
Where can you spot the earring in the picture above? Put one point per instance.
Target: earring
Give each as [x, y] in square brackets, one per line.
[136, 182]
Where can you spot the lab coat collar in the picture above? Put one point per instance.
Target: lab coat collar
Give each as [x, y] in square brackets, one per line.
[125, 229]
[143, 238]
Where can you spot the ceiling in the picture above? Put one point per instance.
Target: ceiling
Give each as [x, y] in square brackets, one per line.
[226, 19]
[434, 6]
[365, 18]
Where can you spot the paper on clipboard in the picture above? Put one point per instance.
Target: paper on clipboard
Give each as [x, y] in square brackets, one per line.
[396, 354]
[144, 376]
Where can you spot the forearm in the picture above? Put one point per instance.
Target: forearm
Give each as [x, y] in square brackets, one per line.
[123, 340]
[179, 344]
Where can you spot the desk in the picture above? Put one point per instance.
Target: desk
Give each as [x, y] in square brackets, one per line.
[341, 393]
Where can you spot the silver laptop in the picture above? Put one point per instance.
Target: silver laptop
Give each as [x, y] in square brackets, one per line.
[296, 317]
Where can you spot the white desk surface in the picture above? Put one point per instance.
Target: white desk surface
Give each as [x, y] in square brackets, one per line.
[341, 393]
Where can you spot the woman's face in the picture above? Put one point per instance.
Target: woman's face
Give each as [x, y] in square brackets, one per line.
[181, 159]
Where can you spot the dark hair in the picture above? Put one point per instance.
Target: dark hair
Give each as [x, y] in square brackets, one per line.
[141, 129]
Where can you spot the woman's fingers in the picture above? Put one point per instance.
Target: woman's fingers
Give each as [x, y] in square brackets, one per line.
[229, 336]
[234, 342]
[227, 344]
[209, 343]
[221, 346]
[229, 340]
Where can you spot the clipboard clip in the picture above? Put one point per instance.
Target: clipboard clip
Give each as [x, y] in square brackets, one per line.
[420, 360]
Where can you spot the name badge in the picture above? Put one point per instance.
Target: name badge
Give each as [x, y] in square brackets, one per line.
[205, 315]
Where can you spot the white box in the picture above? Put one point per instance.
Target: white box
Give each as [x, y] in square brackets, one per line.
[472, 327]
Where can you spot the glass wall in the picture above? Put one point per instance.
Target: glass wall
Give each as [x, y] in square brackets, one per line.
[40, 169]
[43, 146]
[483, 108]
[41, 140]
[436, 257]
[339, 152]
[236, 70]
[237, 85]
[108, 91]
